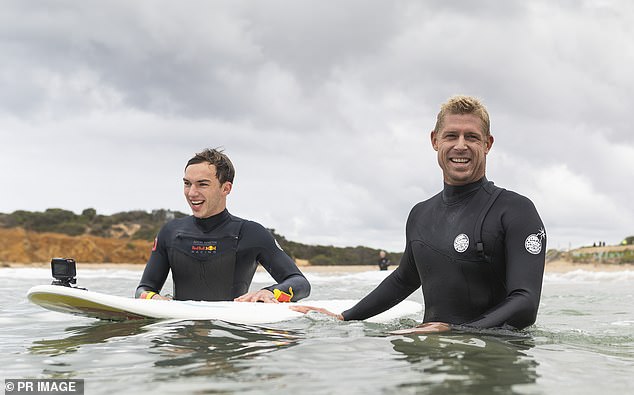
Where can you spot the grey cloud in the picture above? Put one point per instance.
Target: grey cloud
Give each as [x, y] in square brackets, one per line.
[326, 109]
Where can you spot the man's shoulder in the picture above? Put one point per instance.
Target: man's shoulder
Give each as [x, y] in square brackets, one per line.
[249, 226]
[423, 209]
[514, 199]
[514, 206]
[505, 195]
[255, 235]
[427, 203]
[253, 227]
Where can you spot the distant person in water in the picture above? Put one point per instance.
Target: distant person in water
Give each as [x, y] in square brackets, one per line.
[212, 254]
[384, 262]
[477, 250]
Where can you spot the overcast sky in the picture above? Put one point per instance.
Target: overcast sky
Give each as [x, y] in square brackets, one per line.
[325, 108]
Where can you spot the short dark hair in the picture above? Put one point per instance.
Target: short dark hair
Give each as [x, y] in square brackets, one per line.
[224, 168]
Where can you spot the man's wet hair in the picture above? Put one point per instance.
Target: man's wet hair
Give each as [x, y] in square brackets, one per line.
[460, 105]
[214, 156]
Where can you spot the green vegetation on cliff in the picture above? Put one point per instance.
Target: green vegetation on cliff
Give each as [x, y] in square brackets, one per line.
[329, 255]
[142, 225]
[137, 225]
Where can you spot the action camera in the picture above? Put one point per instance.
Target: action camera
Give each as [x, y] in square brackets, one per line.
[64, 271]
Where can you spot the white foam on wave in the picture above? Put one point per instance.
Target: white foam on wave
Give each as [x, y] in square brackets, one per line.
[45, 273]
[368, 277]
[584, 276]
[110, 273]
[26, 272]
[623, 323]
[576, 276]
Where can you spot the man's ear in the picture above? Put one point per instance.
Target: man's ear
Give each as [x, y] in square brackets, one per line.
[434, 141]
[226, 187]
[490, 140]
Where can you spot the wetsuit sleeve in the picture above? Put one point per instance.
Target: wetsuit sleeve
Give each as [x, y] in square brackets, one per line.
[291, 284]
[394, 289]
[157, 267]
[525, 249]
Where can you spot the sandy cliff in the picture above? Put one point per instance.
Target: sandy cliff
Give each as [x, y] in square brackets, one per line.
[18, 245]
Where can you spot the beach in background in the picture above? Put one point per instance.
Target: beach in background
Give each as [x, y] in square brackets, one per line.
[556, 266]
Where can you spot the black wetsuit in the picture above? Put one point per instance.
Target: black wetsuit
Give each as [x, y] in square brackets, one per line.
[215, 258]
[384, 263]
[499, 286]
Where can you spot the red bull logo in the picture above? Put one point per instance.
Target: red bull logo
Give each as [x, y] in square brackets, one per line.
[203, 248]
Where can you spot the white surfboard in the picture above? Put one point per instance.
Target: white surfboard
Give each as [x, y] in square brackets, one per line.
[117, 308]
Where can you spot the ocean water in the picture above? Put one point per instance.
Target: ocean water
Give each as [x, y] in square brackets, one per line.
[582, 343]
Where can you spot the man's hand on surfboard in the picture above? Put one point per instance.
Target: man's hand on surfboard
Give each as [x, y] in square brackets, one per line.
[263, 295]
[427, 327]
[308, 309]
[153, 295]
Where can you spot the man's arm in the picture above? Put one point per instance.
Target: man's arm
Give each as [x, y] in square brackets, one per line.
[291, 284]
[525, 250]
[155, 271]
[394, 289]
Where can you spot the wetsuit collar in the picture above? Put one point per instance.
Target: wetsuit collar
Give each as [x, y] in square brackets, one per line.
[454, 193]
[210, 223]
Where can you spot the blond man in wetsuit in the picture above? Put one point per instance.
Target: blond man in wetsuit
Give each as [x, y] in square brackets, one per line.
[477, 250]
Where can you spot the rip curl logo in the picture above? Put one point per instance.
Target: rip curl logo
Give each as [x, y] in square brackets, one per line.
[461, 243]
[204, 247]
[533, 242]
[278, 245]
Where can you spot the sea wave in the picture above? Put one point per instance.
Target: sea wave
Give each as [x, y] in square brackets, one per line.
[368, 277]
[45, 273]
[375, 276]
[584, 276]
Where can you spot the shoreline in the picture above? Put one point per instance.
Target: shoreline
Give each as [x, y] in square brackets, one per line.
[557, 266]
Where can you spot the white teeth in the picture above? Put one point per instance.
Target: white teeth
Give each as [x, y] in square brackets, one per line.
[197, 202]
[460, 160]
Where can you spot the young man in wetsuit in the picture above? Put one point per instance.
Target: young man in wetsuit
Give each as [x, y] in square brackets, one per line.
[212, 254]
[477, 250]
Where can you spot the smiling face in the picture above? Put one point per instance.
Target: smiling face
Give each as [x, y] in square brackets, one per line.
[204, 193]
[462, 147]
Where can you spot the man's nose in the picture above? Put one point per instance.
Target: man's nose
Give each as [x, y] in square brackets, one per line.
[461, 144]
[191, 190]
